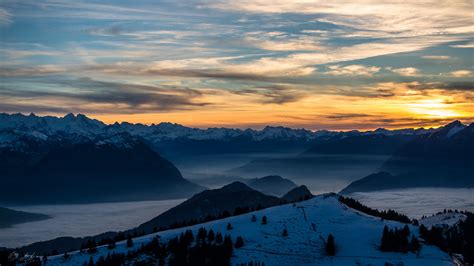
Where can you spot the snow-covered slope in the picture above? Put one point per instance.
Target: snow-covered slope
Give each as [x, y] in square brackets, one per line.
[443, 219]
[357, 237]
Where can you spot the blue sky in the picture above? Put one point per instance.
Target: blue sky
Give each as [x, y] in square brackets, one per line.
[302, 63]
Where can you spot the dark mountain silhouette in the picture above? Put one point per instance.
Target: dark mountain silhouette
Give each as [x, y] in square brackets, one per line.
[108, 168]
[377, 181]
[297, 194]
[443, 158]
[63, 244]
[212, 202]
[367, 144]
[450, 148]
[9, 217]
[272, 185]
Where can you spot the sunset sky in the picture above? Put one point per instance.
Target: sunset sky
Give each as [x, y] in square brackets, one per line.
[314, 64]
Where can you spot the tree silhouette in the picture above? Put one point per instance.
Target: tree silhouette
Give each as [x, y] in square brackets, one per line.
[211, 236]
[330, 246]
[129, 241]
[219, 239]
[239, 242]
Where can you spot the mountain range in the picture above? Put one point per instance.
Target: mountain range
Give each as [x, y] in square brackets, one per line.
[168, 136]
[73, 168]
[9, 217]
[78, 159]
[272, 185]
[442, 158]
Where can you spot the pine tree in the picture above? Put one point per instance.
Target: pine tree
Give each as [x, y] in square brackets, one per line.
[228, 246]
[111, 245]
[201, 235]
[253, 219]
[414, 244]
[406, 231]
[330, 246]
[264, 220]
[229, 226]
[239, 242]
[397, 240]
[188, 235]
[129, 241]
[385, 245]
[219, 238]
[91, 246]
[211, 236]
[285, 232]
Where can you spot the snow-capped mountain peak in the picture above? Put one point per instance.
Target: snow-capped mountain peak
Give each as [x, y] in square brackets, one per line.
[84, 126]
[448, 130]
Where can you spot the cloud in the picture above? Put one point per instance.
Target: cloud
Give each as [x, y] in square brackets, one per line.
[274, 94]
[461, 73]
[437, 57]
[449, 86]
[466, 45]
[392, 18]
[352, 70]
[264, 68]
[5, 17]
[407, 71]
[339, 116]
[106, 31]
[16, 53]
[98, 11]
[105, 97]
[18, 71]
[281, 41]
[33, 107]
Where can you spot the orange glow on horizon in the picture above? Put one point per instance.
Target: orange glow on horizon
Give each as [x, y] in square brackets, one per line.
[315, 112]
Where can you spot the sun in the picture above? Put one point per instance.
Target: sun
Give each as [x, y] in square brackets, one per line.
[436, 108]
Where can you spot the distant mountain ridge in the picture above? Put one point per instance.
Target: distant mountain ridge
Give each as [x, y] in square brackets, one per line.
[81, 124]
[174, 140]
[25, 140]
[367, 144]
[9, 217]
[67, 168]
[297, 194]
[442, 158]
[272, 185]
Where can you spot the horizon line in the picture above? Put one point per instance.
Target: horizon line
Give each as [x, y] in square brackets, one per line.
[466, 123]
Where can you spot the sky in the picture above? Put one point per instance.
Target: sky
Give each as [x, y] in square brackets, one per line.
[306, 63]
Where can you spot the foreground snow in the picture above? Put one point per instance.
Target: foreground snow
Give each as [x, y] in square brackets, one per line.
[357, 237]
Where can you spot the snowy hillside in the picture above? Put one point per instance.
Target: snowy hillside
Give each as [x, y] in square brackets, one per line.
[443, 219]
[357, 237]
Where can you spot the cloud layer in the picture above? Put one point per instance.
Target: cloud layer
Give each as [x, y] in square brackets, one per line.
[241, 63]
